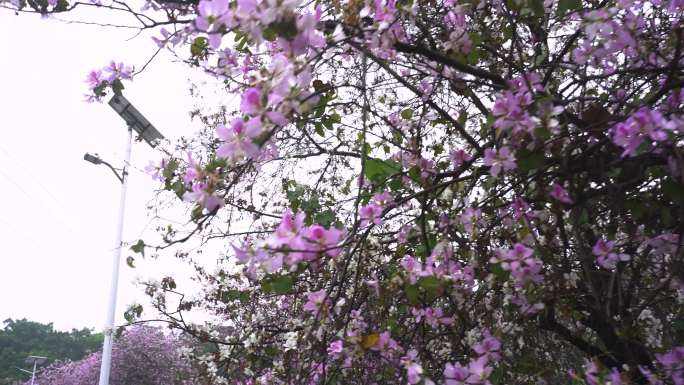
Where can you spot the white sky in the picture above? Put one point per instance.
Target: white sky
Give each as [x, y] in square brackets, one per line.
[58, 213]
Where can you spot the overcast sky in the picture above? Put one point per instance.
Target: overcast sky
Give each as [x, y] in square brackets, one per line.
[58, 213]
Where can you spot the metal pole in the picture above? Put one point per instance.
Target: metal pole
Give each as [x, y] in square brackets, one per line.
[33, 375]
[109, 327]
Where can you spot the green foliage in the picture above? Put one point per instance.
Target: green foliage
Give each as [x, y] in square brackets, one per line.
[378, 170]
[22, 338]
[278, 284]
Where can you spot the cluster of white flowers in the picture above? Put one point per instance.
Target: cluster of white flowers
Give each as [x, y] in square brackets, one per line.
[652, 327]
[290, 341]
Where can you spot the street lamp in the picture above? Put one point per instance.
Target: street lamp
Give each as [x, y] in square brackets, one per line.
[35, 360]
[136, 122]
[95, 159]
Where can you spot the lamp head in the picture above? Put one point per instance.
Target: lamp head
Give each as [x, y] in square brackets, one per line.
[38, 360]
[135, 120]
[94, 159]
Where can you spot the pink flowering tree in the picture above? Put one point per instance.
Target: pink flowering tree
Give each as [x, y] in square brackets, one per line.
[142, 355]
[430, 192]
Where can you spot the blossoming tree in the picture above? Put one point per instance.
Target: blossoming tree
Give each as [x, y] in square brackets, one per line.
[142, 356]
[431, 191]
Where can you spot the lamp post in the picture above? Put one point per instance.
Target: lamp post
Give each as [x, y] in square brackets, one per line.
[35, 360]
[136, 122]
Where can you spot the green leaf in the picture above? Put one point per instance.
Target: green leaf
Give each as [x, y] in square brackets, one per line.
[475, 38]
[139, 247]
[499, 273]
[377, 170]
[117, 86]
[178, 187]
[678, 326]
[537, 7]
[133, 312]
[129, 262]
[285, 28]
[542, 133]
[233, 295]
[407, 114]
[269, 34]
[61, 6]
[529, 160]
[673, 190]
[170, 169]
[507, 32]
[636, 208]
[462, 118]
[412, 294]
[666, 216]
[430, 284]
[583, 218]
[199, 46]
[568, 5]
[325, 218]
[279, 284]
[473, 56]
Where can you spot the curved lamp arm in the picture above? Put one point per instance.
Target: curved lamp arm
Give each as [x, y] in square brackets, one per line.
[94, 159]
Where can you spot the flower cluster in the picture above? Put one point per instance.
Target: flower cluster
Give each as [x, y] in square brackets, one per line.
[372, 212]
[605, 256]
[291, 243]
[644, 126]
[108, 77]
[524, 268]
[478, 370]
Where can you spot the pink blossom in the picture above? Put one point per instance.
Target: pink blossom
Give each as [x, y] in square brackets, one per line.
[519, 208]
[156, 169]
[615, 377]
[470, 218]
[479, 371]
[489, 346]
[370, 213]
[673, 363]
[605, 257]
[308, 35]
[117, 71]
[211, 13]
[526, 309]
[524, 268]
[386, 345]
[316, 302]
[497, 160]
[335, 348]
[402, 235]
[433, 317]
[94, 78]
[322, 239]
[289, 231]
[644, 125]
[276, 118]
[560, 194]
[458, 157]
[238, 139]
[383, 199]
[202, 197]
[510, 113]
[455, 374]
[414, 370]
[191, 172]
[251, 101]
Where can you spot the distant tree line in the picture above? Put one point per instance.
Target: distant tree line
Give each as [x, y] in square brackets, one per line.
[21, 338]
